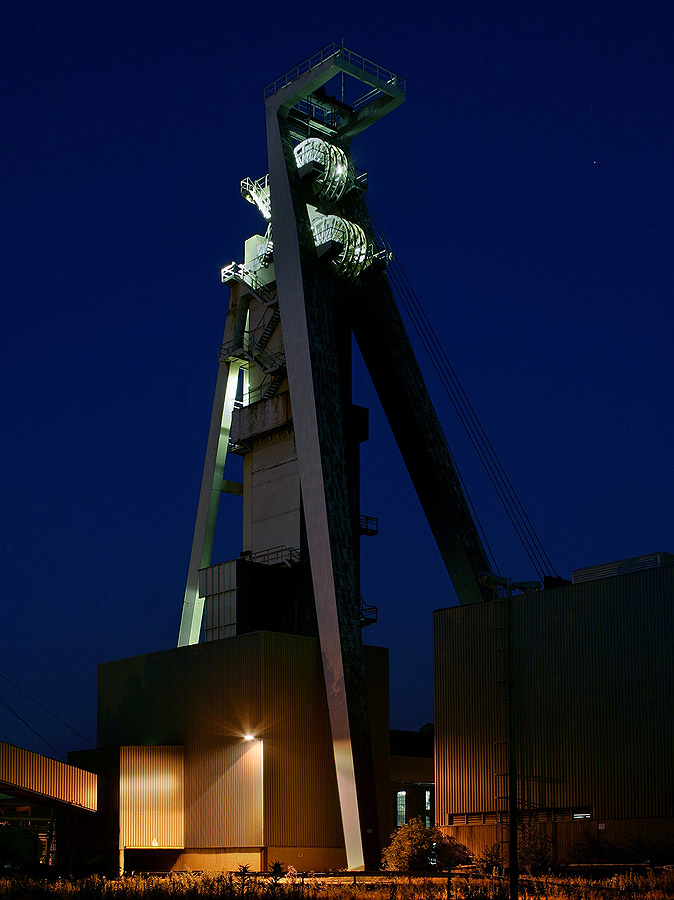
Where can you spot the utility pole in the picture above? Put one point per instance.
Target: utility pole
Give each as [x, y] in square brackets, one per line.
[512, 756]
[500, 583]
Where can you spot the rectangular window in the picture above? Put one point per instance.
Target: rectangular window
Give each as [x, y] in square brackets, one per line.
[428, 801]
[401, 808]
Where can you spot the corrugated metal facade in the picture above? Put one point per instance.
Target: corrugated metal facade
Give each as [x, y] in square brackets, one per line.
[468, 714]
[39, 774]
[226, 791]
[301, 802]
[623, 566]
[206, 697]
[151, 797]
[594, 702]
[218, 585]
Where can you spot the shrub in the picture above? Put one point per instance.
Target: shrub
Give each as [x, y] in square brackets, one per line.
[534, 849]
[489, 860]
[416, 848]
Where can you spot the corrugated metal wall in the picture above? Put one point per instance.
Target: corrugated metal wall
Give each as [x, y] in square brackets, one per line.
[301, 801]
[218, 585]
[226, 791]
[595, 694]
[33, 772]
[151, 797]
[468, 715]
[206, 697]
[594, 700]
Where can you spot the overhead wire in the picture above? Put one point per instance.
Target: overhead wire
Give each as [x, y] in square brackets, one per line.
[482, 445]
[48, 711]
[44, 740]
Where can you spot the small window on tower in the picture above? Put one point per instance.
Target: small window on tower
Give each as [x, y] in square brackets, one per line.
[428, 801]
[401, 808]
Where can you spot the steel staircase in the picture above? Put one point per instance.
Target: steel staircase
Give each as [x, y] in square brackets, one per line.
[265, 293]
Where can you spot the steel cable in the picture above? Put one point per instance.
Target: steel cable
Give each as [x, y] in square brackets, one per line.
[44, 740]
[475, 438]
[464, 409]
[53, 715]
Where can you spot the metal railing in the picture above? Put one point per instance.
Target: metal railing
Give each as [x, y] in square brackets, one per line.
[252, 186]
[306, 66]
[238, 272]
[278, 554]
[264, 359]
[257, 193]
[318, 112]
[368, 614]
[361, 179]
[367, 66]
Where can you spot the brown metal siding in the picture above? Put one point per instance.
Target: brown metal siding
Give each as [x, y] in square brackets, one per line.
[39, 774]
[205, 692]
[468, 716]
[595, 694]
[412, 769]
[594, 699]
[206, 697]
[151, 797]
[225, 808]
[301, 802]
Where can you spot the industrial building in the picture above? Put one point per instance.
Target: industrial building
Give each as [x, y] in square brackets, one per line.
[593, 714]
[219, 754]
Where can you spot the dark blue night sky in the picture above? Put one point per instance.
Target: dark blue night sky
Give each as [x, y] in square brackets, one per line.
[527, 188]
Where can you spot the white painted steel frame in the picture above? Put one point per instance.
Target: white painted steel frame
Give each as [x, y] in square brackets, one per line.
[290, 287]
[209, 499]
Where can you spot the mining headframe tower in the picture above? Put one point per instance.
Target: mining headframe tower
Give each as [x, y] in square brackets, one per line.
[283, 401]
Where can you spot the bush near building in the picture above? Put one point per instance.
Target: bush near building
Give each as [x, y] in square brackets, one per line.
[414, 847]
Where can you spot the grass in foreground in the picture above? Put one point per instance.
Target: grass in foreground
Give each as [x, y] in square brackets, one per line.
[231, 886]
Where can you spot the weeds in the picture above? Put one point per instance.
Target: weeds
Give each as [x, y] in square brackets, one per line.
[293, 886]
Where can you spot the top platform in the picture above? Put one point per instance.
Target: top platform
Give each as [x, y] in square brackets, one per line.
[300, 93]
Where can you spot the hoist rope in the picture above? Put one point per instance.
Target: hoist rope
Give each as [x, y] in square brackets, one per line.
[467, 415]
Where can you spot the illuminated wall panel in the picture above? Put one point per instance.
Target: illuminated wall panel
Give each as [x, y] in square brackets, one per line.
[151, 797]
[224, 795]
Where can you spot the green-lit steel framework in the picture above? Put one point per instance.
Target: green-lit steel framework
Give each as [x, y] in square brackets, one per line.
[312, 280]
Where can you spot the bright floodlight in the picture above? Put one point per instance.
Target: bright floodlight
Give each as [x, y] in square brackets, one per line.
[249, 737]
